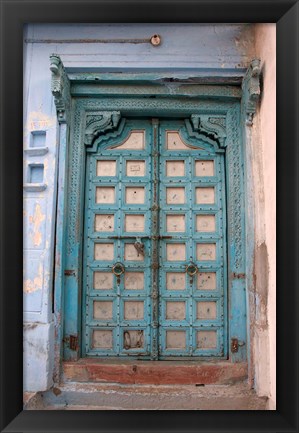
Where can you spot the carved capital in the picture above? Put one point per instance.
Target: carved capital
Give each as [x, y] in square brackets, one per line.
[212, 127]
[100, 123]
[60, 87]
[251, 90]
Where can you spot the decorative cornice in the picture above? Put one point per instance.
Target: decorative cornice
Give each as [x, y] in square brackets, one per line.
[251, 90]
[60, 87]
[99, 123]
[211, 127]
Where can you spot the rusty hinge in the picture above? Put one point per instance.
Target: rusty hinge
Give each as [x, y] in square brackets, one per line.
[68, 272]
[235, 343]
[71, 341]
[238, 276]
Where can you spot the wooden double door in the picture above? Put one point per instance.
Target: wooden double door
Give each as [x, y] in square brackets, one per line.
[154, 261]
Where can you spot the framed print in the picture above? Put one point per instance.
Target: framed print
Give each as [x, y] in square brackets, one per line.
[146, 183]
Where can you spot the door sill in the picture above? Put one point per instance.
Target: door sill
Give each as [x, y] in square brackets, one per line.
[128, 371]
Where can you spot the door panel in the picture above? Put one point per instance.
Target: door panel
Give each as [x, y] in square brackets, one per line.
[154, 251]
[117, 276]
[192, 211]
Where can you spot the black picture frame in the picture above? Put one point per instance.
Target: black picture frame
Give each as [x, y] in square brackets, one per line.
[14, 14]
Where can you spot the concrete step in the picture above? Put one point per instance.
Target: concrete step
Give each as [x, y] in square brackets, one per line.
[86, 396]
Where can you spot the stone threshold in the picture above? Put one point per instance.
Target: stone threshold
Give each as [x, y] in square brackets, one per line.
[154, 372]
[87, 396]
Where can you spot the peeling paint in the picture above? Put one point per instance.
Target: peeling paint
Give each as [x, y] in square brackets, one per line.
[31, 286]
[261, 270]
[29, 326]
[39, 121]
[36, 220]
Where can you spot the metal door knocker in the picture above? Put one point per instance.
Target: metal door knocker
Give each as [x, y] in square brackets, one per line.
[118, 269]
[191, 269]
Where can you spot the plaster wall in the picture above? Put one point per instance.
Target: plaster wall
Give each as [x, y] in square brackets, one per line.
[264, 169]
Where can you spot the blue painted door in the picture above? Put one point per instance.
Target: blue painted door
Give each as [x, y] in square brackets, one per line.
[154, 245]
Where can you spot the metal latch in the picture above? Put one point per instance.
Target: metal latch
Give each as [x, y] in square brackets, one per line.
[238, 276]
[72, 342]
[69, 272]
[235, 343]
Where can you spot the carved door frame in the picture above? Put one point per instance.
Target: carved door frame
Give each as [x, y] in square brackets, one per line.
[217, 114]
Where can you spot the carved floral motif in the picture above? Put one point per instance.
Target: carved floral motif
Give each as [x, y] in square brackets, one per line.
[235, 204]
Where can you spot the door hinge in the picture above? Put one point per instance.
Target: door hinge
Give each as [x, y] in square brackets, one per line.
[235, 344]
[72, 342]
[238, 276]
[68, 272]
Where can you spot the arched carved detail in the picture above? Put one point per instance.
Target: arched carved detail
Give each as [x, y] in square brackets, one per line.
[211, 128]
[99, 123]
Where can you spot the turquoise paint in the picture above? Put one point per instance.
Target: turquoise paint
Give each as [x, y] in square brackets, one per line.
[180, 107]
[203, 151]
[118, 295]
[60, 242]
[236, 246]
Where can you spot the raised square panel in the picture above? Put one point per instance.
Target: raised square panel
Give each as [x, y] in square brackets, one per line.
[133, 339]
[133, 310]
[204, 168]
[104, 252]
[205, 195]
[175, 195]
[205, 223]
[106, 168]
[102, 280]
[206, 251]
[176, 252]
[102, 339]
[135, 195]
[135, 141]
[135, 168]
[175, 310]
[206, 281]
[134, 223]
[175, 223]
[175, 168]
[175, 340]
[206, 339]
[134, 281]
[102, 310]
[105, 195]
[175, 281]
[131, 254]
[104, 223]
[206, 310]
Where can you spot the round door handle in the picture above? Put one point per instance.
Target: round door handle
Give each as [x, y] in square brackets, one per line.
[118, 269]
[191, 269]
